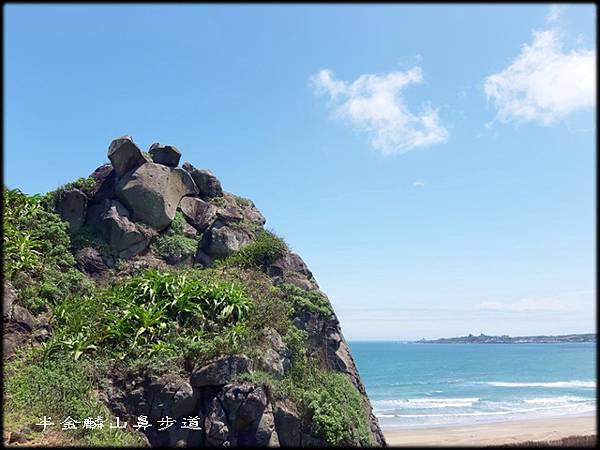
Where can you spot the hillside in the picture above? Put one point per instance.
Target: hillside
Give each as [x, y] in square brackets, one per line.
[485, 339]
[145, 291]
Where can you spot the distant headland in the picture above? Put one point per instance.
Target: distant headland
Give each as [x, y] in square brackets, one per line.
[505, 339]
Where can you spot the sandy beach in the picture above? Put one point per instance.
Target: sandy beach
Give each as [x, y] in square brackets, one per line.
[509, 432]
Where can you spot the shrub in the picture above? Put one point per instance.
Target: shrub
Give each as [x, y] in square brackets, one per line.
[304, 300]
[58, 388]
[87, 185]
[149, 314]
[37, 260]
[336, 410]
[261, 252]
[173, 245]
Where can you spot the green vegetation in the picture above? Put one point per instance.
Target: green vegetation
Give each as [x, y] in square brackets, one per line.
[37, 260]
[149, 315]
[242, 202]
[159, 321]
[303, 300]
[86, 185]
[262, 251]
[58, 388]
[331, 406]
[174, 244]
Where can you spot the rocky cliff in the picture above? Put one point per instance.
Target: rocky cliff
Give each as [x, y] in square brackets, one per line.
[188, 308]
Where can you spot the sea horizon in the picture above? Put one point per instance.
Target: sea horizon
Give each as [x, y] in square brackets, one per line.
[416, 385]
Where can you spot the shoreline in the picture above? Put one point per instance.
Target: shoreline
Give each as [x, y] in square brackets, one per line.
[495, 433]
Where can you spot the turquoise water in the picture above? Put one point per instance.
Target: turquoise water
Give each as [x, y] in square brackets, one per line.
[430, 385]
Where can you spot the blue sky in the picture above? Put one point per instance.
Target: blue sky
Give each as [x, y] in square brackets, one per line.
[434, 165]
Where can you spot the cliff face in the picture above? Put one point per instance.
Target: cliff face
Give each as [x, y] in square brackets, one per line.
[255, 353]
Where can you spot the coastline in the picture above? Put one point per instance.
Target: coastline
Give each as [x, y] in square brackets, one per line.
[497, 433]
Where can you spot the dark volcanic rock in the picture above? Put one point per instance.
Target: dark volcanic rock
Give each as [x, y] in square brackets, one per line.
[153, 191]
[125, 156]
[104, 186]
[125, 237]
[220, 371]
[288, 424]
[198, 212]
[90, 261]
[165, 154]
[71, 205]
[220, 240]
[290, 268]
[208, 184]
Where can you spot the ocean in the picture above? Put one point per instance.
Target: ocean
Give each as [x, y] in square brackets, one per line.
[434, 385]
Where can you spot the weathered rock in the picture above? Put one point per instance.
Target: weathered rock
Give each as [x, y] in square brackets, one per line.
[17, 322]
[90, 261]
[265, 432]
[22, 317]
[153, 192]
[215, 426]
[288, 424]
[198, 212]
[9, 297]
[252, 214]
[104, 186]
[141, 262]
[165, 154]
[245, 404]
[221, 240]
[290, 268]
[220, 371]
[208, 184]
[275, 359]
[203, 259]
[16, 437]
[125, 237]
[189, 231]
[71, 206]
[171, 396]
[125, 156]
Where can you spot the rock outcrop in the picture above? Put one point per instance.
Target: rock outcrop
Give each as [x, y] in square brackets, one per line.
[138, 200]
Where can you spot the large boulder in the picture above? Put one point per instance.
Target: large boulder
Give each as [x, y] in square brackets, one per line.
[245, 403]
[221, 240]
[125, 156]
[71, 207]
[153, 192]
[198, 212]
[288, 424]
[220, 371]
[290, 268]
[208, 184]
[126, 238]
[171, 396]
[104, 186]
[89, 260]
[164, 154]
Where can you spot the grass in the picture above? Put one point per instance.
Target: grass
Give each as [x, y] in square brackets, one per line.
[57, 388]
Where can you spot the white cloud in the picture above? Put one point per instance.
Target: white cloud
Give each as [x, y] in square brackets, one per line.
[418, 183]
[545, 83]
[555, 12]
[373, 104]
